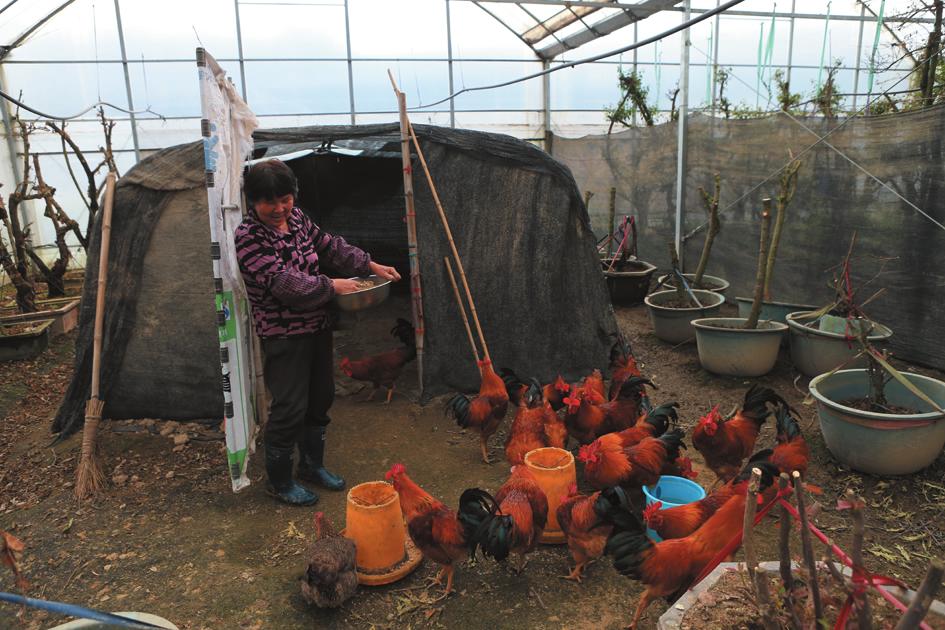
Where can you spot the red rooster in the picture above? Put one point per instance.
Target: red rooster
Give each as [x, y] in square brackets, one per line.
[622, 367]
[531, 425]
[791, 452]
[384, 368]
[580, 519]
[442, 535]
[668, 568]
[485, 412]
[556, 392]
[608, 463]
[520, 519]
[589, 416]
[653, 424]
[725, 444]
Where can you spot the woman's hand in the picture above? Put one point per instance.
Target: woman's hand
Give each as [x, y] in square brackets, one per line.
[382, 271]
[344, 285]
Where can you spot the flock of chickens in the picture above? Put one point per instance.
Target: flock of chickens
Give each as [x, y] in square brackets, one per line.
[625, 444]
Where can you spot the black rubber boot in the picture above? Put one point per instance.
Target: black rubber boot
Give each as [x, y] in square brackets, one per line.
[281, 485]
[312, 467]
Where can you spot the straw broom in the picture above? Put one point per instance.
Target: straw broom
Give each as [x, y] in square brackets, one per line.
[89, 478]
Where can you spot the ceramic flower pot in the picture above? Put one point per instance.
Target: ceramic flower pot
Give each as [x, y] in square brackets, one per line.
[628, 282]
[815, 351]
[774, 311]
[726, 348]
[374, 521]
[880, 443]
[554, 471]
[709, 283]
[673, 324]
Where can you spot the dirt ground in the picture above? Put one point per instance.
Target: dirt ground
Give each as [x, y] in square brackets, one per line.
[169, 537]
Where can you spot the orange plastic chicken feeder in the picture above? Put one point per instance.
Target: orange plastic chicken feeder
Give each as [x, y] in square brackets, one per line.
[554, 470]
[375, 523]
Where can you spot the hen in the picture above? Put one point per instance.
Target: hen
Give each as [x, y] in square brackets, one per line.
[383, 369]
[668, 568]
[725, 444]
[608, 463]
[586, 533]
[442, 535]
[520, 520]
[485, 412]
[535, 425]
[330, 578]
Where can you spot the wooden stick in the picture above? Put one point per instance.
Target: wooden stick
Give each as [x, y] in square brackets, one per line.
[413, 252]
[768, 617]
[808, 550]
[462, 311]
[923, 597]
[862, 601]
[762, 262]
[748, 524]
[784, 544]
[449, 238]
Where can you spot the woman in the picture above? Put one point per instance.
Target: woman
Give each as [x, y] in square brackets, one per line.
[279, 250]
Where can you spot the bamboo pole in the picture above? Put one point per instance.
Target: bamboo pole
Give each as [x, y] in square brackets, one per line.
[449, 238]
[808, 549]
[90, 479]
[762, 263]
[413, 252]
[919, 607]
[462, 311]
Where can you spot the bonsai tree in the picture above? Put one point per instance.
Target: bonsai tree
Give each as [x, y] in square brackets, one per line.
[715, 226]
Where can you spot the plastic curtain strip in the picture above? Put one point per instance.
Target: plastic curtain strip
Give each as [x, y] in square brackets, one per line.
[769, 54]
[879, 29]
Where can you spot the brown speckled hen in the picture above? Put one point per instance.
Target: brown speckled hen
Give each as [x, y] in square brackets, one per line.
[330, 578]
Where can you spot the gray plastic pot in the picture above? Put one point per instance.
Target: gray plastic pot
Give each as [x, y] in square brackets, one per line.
[816, 351]
[712, 283]
[880, 443]
[673, 324]
[630, 284]
[775, 311]
[726, 348]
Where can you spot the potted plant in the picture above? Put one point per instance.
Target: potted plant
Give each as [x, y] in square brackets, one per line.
[24, 340]
[672, 311]
[699, 280]
[628, 277]
[821, 340]
[740, 346]
[776, 311]
[880, 420]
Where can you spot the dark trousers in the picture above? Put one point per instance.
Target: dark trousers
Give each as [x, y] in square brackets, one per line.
[300, 377]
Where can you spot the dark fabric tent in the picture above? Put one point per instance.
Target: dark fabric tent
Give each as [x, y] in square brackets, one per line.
[517, 218]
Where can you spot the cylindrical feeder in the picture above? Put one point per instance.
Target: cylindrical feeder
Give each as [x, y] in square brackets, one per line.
[375, 522]
[554, 471]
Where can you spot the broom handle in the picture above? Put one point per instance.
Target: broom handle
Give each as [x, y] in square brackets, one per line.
[449, 237]
[462, 310]
[102, 277]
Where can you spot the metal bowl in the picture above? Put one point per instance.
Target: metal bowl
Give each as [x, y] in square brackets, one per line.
[365, 298]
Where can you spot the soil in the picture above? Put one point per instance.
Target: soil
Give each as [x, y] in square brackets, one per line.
[730, 603]
[677, 303]
[19, 329]
[171, 538]
[864, 404]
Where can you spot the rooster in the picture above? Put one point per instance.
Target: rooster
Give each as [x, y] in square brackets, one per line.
[520, 520]
[442, 535]
[535, 425]
[791, 452]
[653, 424]
[484, 412]
[580, 519]
[725, 444]
[589, 416]
[330, 578]
[682, 520]
[383, 369]
[622, 367]
[608, 463]
[668, 568]
[556, 392]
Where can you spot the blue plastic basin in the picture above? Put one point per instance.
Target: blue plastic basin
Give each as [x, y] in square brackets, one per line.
[672, 492]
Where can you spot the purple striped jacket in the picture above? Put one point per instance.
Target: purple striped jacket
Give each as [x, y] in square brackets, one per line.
[288, 294]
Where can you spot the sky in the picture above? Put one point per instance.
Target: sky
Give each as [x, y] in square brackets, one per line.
[297, 68]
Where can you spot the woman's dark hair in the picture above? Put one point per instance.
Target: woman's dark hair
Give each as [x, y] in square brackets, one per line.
[269, 180]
